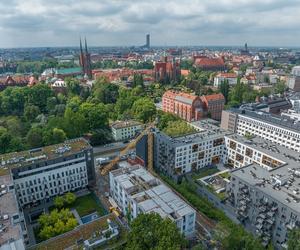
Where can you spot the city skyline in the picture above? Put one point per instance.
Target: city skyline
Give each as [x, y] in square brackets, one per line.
[36, 23]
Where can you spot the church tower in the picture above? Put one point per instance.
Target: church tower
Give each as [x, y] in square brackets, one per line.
[85, 60]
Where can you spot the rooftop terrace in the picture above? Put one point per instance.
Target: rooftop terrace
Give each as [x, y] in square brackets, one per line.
[150, 193]
[124, 124]
[284, 155]
[282, 184]
[23, 158]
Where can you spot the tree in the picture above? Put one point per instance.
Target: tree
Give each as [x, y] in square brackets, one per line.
[95, 115]
[38, 96]
[294, 239]
[51, 103]
[125, 101]
[236, 93]
[105, 92]
[279, 88]
[69, 198]
[75, 123]
[100, 137]
[240, 239]
[55, 223]
[224, 89]
[58, 136]
[150, 231]
[31, 112]
[35, 137]
[164, 118]
[144, 109]
[73, 86]
[59, 201]
[138, 80]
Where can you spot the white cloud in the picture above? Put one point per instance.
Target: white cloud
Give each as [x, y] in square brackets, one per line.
[125, 22]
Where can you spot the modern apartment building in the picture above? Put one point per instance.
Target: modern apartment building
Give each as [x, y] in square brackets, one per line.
[264, 187]
[136, 191]
[124, 130]
[240, 151]
[280, 130]
[42, 173]
[266, 201]
[294, 79]
[176, 156]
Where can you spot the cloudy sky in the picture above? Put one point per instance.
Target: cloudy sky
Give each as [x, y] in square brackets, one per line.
[170, 22]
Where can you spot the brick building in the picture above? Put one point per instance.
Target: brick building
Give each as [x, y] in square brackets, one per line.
[213, 105]
[167, 71]
[17, 80]
[211, 64]
[184, 105]
[191, 107]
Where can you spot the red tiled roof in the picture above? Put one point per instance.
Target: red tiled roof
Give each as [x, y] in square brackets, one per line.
[173, 94]
[213, 97]
[227, 75]
[209, 62]
[185, 72]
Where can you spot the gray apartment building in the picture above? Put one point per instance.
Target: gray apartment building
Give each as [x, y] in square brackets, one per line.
[264, 187]
[43, 173]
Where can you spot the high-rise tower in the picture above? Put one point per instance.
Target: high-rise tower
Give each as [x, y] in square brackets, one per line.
[85, 60]
[147, 41]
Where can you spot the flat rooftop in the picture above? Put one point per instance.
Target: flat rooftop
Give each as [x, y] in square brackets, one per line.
[287, 156]
[205, 129]
[274, 120]
[24, 158]
[282, 183]
[8, 206]
[150, 193]
[125, 124]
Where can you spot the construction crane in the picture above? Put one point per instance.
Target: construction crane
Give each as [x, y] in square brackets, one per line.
[131, 145]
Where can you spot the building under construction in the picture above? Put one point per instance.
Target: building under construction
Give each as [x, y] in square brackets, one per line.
[137, 191]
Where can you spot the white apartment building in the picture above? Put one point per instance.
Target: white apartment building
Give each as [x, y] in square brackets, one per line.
[136, 191]
[123, 130]
[241, 152]
[175, 156]
[280, 130]
[230, 77]
[41, 174]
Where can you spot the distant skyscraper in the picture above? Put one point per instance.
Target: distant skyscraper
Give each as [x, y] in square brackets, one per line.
[148, 41]
[85, 60]
[245, 51]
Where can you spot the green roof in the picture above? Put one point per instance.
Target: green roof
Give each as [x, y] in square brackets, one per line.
[64, 71]
[23, 158]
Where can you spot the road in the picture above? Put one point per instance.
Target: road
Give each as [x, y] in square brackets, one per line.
[109, 148]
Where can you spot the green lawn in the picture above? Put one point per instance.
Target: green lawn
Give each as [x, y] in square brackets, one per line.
[225, 175]
[88, 204]
[203, 173]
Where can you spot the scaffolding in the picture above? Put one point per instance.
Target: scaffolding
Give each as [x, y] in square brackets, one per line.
[131, 145]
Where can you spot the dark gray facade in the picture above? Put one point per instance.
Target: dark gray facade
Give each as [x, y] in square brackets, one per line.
[262, 203]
